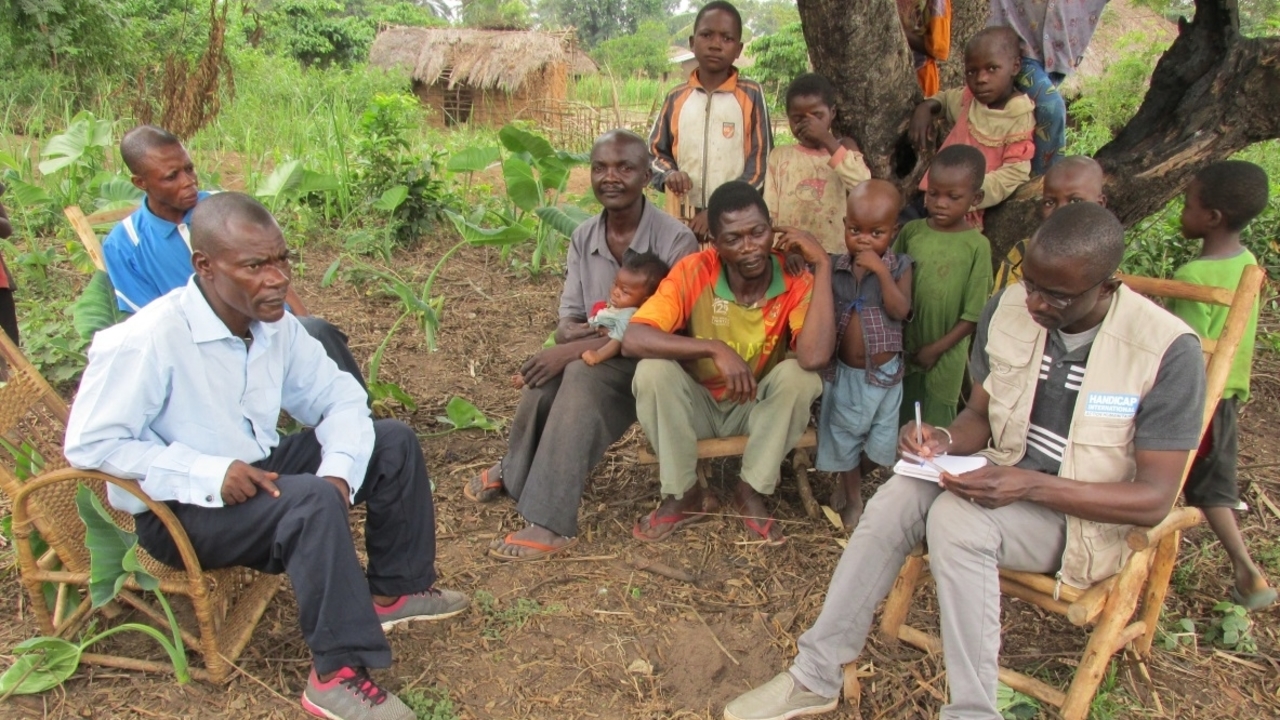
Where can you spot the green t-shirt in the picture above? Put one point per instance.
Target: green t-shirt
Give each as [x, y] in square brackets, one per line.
[1207, 320]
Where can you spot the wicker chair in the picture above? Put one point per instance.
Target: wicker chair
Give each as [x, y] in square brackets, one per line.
[227, 603]
[1109, 606]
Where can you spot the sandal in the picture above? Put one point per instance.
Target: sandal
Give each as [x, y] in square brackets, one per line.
[671, 523]
[489, 490]
[543, 550]
[763, 530]
[1255, 600]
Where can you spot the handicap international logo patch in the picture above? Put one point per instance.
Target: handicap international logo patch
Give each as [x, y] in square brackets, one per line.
[1111, 405]
[727, 129]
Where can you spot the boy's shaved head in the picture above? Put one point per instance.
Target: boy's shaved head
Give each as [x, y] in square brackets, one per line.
[1235, 188]
[875, 196]
[1001, 39]
[722, 6]
[1077, 166]
[215, 217]
[139, 141]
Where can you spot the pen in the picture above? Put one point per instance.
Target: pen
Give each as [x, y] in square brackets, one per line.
[927, 463]
[919, 435]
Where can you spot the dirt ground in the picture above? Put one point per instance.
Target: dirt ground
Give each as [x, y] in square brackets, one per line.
[591, 636]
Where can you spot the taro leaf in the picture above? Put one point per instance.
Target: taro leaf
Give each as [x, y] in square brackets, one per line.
[512, 234]
[282, 182]
[391, 199]
[314, 182]
[27, 194]
[473, 159]
[41, 663]
[525, 143]
[522, 187]
[109, 549]
[8, 160]
[555, 174]
[462, 415]
[117, 192]
[96, 308]
[330, 273]
[564, 218]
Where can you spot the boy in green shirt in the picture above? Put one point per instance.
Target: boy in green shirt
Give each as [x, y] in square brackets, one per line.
[1220, 202]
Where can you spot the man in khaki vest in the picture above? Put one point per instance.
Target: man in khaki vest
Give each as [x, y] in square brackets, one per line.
[1087, 399]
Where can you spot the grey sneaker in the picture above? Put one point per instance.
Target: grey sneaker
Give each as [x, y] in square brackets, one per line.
[352, 695]
[430, 604]
[778, 699]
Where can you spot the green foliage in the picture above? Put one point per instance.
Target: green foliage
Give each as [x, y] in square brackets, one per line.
[780, 58]
[290, 181]
[635, 93]
[385, 162]
[429, 704]
[1013, 705]
[72, 35]
[43, 663]
[502, 619]
[1233, 630]
[1183, 633]
[598, 21]
[1108, 101]
[461, 414]
[318, 32]
[496, 14]
[643, 52]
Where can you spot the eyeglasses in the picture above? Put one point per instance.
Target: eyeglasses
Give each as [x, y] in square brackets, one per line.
[1057, 301]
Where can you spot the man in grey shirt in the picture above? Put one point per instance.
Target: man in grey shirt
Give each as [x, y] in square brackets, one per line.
[571, 412]
[1088, 399]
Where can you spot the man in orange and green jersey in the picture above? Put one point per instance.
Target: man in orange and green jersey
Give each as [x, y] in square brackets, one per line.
[724, 354]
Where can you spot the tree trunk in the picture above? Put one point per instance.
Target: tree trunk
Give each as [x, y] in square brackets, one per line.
[1213, 93]
[859, 46]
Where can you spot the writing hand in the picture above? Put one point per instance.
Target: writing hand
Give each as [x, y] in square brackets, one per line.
[932, 443]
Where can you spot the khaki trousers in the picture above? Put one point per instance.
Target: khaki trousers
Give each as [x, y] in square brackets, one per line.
[676, 412]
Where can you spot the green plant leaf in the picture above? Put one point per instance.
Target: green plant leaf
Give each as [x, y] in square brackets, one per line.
[314, 182]
[330, 273]
[108, 546]
[96, 308]
[525, 142]
[564, 218]
[282, 182]
[522, 186]
[118, 192]
[41, 663]
[8, 160]
[26, 194]
[473, 159]
[463, 415]
[391, 199]
[554, 174]
[513, 234]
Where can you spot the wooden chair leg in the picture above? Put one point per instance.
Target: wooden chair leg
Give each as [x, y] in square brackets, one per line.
[1106, 634]
[852, 688]
[1157, 589]
[801, 463]
[898, 603]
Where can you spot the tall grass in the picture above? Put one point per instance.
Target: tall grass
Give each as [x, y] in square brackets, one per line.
[640, 93]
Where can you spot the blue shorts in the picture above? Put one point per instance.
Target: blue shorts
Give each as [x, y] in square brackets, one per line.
[858, 417]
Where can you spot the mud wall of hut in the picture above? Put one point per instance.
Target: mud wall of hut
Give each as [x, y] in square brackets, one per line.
[493, 106]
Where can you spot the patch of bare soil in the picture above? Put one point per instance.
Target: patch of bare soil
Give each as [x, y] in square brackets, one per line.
[590, 635]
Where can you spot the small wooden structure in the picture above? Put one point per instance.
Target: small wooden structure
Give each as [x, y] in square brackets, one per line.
[480, 76]
[1123, 610]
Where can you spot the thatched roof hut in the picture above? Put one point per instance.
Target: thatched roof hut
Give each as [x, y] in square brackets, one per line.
[485, 76]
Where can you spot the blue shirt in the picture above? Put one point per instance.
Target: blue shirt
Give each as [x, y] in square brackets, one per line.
[147, 256]
[171, 398]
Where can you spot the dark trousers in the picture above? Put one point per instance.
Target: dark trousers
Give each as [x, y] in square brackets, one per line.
[305, 533]
[8, 313]
[335, 345]
[559, 433]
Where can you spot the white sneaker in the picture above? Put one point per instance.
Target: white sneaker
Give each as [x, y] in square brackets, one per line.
[779, 699]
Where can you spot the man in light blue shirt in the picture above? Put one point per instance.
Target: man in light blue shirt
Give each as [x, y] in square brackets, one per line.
[149, 252]
[184, 397]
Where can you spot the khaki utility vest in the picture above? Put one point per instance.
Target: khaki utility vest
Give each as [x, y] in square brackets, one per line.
[1122, 368]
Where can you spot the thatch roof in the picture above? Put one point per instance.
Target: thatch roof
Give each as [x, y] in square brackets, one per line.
[479, 58]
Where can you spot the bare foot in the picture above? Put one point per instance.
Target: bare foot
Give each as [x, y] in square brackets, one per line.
[487, 486]
[674, 514]
[534, 534]
[851, 514]
[750, 505]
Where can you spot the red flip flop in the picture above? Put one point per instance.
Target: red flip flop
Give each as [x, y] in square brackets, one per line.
[763, 530]
[543, 550]
[486, 485]
[673, 522]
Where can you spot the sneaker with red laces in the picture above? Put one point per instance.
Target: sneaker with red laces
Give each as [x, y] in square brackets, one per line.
[430, 604]
[352, 695]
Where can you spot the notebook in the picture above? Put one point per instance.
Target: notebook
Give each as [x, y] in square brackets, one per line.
[954, 464]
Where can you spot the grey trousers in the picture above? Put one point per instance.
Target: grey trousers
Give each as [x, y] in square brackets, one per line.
[560, 432]
[335, 345]
[305, 533]
[966, 543]
[676, 411]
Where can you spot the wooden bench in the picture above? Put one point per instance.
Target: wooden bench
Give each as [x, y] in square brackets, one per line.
[712, 448]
